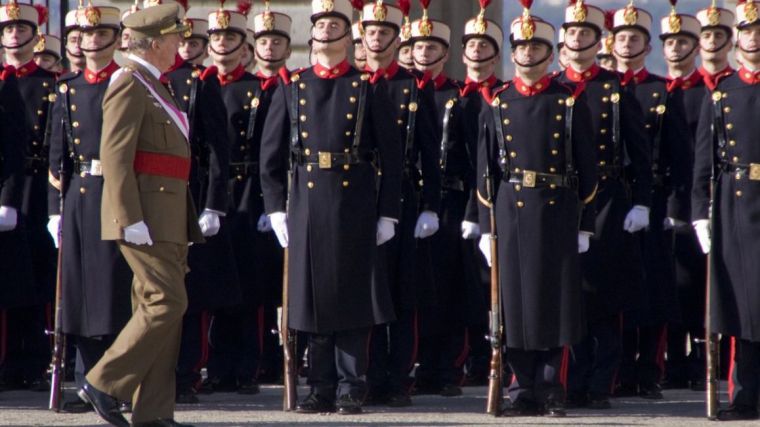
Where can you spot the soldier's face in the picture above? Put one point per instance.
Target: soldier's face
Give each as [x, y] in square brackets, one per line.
[430, 55]
[582, 43]
[714, 44]
[749, 46]
[630, 43]
[477, 49]
[14, 35]
[97, 40]
[73, 52]
[608, 63]
[46, 61]
[192, 48]
[530, 53]
[379, 38]
[328, 28]
[405, 55]
[679, 48]
[272, 48]
[225, 45]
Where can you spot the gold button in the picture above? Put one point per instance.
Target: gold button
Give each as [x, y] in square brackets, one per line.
[508, 137]
[239, 177]
[302, 102]
[168, 122]
[518, 187]
[352, 100]
[513, 154]
[605, 99]
[35, 143]
[82, 190]
[730, 126]
[402, 106]
[602, 147]
[399, 121]
[552, 202]
[556, 135]
[647, 126]
[732, 143]
[161, 188]
[302, 85]
[346, 150]
[185, 98]
[303, 117]
[346, 167]
[348, 133]
[73, 108]
[75, 124]
[242, 148]
[83, 174]
[604, 115]
[81, 158]
[555, 152]
[350, 116]
[553, 186]
[506, 121]
[727, 109]
[188, 81]
[242, 133]
[307, 151]
[310, 184]
[558, 117]
[308, 168]
[304, 134]
[603, 131]
[738, 176]
[250, 94]
[406, 91]
[655, 95]
[520, 204]
[77, 141]
[73, 91]
[36, 127]
[552, 169]
[45, 84]
[736, 159]
[561, 102]
[504, 105]
[355, 84]
[607, 85]
[345, 184]
[738, 193]
[651, 109]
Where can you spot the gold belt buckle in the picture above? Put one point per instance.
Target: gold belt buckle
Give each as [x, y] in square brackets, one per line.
[754, 171]
[325, 160]
[529, 179]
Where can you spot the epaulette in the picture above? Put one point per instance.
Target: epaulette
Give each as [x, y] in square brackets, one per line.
[295, 75]
[68, 76]
[493, 95]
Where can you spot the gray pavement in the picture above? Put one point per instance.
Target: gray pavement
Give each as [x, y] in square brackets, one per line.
[679, 408]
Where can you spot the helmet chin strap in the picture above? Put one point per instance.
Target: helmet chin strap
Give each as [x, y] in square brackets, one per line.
[581, 49]
[725, 43]
[111, 43]
[643, 51]
[431, 63]
[18, 46]
[480, 61]
[328, 40]
[242, 42]
[269, 61]
[683, 58]
[747, 50]
[535, 64]
[74, 55]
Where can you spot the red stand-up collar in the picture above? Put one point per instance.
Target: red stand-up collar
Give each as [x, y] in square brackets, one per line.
[582, 76]
[537, 88]
[711, 80]
[675, 83]
[26, 69]
[439, 81]
[96, 77]
[388, 73]
[636, 77]
[235, 75]
[8, 71]
[267, 82]
[471, 86]
[178, 61]
[749, 77]
[332, 73]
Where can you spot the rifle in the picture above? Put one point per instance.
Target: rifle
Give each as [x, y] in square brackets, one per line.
[496, 329]
[290, 395]
[712, 340]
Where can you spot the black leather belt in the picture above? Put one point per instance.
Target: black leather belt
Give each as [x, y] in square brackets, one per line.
[530, 179]
[243, 169]
[751, 170]
[90, 167]
[452, 183]
[328, 160]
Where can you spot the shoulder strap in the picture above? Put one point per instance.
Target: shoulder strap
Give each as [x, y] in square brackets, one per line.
[254, 112]
[294, 140]
[194, 87]
[657, 142]
[500, 141]
[445, 134]
[411, 123]
[569, 164]
[719, 127]
[617, 143]
[360, 113]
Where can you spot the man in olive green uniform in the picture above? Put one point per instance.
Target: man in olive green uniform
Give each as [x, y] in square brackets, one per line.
[147, 208]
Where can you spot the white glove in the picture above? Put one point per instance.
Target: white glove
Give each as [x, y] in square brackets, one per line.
[470, 230]
[702, 228]
[54, 227]
[264, 224]
[671, 223]
[386, 229]
[485, 247]
[209, 223]
[138, 234]
[279, 223]
[584, 241]
[427, 225]
[8, 218]
[637, 219]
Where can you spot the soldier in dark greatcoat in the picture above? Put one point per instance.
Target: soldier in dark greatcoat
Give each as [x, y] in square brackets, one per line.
[611, 269]
[545, 182]
[212, 282]
[96, 279]
[404, 264]
[726, 187]
[331, 123]
[28, 349]
[645, 328]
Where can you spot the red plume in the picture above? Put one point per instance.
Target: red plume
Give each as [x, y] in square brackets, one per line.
[357, 4]
[673, 2]
[425, 3]
[526, 3]
[484, 3]
[244, 6]
[42, 14]
[221, 4]
[185, 4]
[405, 6]
[609, 19]
[572, 2]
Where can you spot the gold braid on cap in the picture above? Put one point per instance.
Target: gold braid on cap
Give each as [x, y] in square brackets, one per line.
[674, 21]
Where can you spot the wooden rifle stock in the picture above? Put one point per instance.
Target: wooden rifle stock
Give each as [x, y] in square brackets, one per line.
[712, 340]
[496, 329]
[58, 360]
[290, 375]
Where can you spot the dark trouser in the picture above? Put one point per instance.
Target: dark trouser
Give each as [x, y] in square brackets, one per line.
[442, 356]
[27, 348]
[270, 365]
[596, 359]
[745, 377]
[683, 367]
[193, 350]
[536, 375]
[646, 371]
[89, 351]
[338, 363]
[235, 350]
[393, 353]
